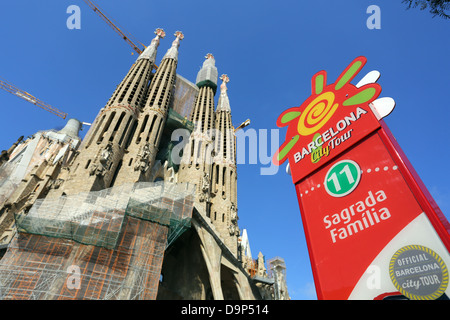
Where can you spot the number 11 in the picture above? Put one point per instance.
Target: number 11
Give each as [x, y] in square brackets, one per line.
[335, 179]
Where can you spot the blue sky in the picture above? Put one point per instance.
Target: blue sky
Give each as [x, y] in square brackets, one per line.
[270, 50]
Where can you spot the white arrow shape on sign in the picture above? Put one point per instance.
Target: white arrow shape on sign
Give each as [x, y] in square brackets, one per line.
[383, 107]
[371, 77]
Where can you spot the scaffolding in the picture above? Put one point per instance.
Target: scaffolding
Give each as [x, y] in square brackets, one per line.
[7, 183]
[99, 245]
[277, 272]
[184, 96]
[252, 267]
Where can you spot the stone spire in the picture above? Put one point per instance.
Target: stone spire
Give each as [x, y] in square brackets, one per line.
[224, 102]
[203, 114]
[197, 155]
[132, 90]
[144, 143]
[172, 53]
[101, 156]
[207, 76]
[224, 178]
[225, 146]
[150, 52]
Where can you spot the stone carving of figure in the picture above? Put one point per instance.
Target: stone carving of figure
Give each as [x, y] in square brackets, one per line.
[105, 159]
[233, 213]
[204, 195]
[205, 183]
[144, 159]
[106, 155]
[232, 229]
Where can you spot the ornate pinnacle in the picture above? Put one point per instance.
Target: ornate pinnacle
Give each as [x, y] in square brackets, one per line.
[150, 51]
[223, 86]
[223, 103]
[173, 51]
[209, 56]
[160, 32]
[224, 78]
[179, 35]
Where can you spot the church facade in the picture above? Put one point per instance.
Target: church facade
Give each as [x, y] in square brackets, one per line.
[131, 143]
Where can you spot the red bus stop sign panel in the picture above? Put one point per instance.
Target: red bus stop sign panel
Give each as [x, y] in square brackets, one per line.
[372, 229]
[352, 209]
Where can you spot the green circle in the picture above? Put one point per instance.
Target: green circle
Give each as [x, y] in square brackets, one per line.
[342, 178]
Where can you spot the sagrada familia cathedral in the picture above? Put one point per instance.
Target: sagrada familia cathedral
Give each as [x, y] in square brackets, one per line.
[144, 207]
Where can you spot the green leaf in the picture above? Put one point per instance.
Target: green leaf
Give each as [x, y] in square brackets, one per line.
[288, 148]
[361, 97]
[290, 116]
[348, 75]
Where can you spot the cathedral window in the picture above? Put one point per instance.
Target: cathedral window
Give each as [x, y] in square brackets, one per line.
[95, 131]
[151, 128]
[125, 130]
[106, 127]
[131, 134]
[223, 175]
[116, 127]
[157, 132]
[192, 148]
[217, 174]
[144, 124]
[116, 172]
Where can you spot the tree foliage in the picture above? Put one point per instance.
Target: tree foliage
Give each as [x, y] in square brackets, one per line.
[440, 8]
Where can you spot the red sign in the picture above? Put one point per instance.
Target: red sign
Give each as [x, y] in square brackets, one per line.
[332, 119]
[372, 229]
[349, 232]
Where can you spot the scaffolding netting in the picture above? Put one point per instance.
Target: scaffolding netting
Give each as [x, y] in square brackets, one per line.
[107, 244]
[184, 96]
[7, 183]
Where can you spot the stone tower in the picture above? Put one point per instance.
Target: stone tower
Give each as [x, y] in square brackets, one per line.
[143, 144]
[224, 179]
[197, 155]
[101, 154]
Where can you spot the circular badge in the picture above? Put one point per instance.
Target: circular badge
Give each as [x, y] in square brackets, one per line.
[418, 273]
[342, 178]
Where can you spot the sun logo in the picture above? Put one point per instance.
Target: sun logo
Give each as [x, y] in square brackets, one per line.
[320, 107]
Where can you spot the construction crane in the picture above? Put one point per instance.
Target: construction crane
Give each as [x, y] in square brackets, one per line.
[30, 98]
[125, 37]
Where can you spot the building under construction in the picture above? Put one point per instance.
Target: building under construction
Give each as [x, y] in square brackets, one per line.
[144, 207]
